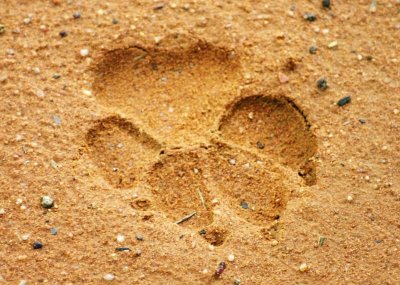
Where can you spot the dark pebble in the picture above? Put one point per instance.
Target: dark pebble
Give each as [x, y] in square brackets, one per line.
[37, 245]
[123, 249]
[77, 15]
[63, 34]
[159, 6]
[322, 84]
[310, 17]
[139, 237]
[313, 50]
[326, 4]
[244, 205]
[369, 58]
[221, 268]
[344, 101]
[260, 145]
[115, 21]
[54, 231]
[202, 232]
[362, 121]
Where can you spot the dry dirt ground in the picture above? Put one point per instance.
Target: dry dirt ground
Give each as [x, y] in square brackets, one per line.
[193, 133]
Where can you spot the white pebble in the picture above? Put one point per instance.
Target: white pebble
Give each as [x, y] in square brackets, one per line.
[84, 52]
[87, 92]
[40, 93]
[23, 282]
[10, 51]
[396, 111]
[231, 257]
[18, 201]
[109, 277]
[25, 236]
[36, 70]
[349, 198]
[2, 211]
[120, 238]
[232, 161]
[304, 267]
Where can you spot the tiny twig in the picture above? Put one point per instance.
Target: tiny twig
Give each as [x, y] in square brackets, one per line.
[185, 218]
[201, 198]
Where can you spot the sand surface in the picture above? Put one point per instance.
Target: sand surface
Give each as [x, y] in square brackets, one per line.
[188, 142]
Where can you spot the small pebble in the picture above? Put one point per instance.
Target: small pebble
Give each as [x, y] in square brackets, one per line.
[37, 245]
[313, 50]
[27, 20]
[244, 205]
[310, 17]
[56, 76]
[251, 115]
[120, 238]
[23, 282]
[57, 120]
[2, 29]
[232, 161]
[326, 4]
[344, 101]
[274, 242]
[40, 93]
[47, 202]
[202, 232]
[237, 282]
[10, 51]
[304, 267]
[54, 231]
[115, 21]
[283, 78]
[76, 15]
[322, 84]
[36, 70]
[84, 52]
[349, 198]
[396, 111]
[139, 237]
[362, 121]
[231, 257]
[138, 252]
[109, 277]
[2, 211]
[25, 237]
[333, 44]
[122, 249]
[63, 34]
[260, 145]
[159, 6]
[221, 268]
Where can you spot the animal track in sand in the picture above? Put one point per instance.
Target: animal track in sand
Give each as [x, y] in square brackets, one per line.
[260, 142]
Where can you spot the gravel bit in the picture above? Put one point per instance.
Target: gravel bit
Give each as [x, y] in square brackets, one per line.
[322, 84]
[244, 205]
[54, 231]
[310, 17]
[232, 161]
[326, 4]
[123, 249]
[76, 15]
[313, 50]
[63, 34]
[139, 237]
[109, 277]
[220, 269]
[47, 202]
[2, 29]
[237, 282]
[260, 145]
[37, 245]
[344, 101]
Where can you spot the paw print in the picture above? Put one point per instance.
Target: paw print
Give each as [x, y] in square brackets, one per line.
[181, 130]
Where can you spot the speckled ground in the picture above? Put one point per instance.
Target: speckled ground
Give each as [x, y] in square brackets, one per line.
[204, 110]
